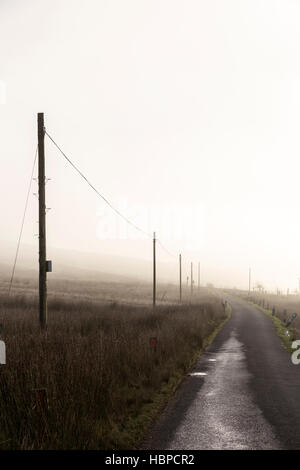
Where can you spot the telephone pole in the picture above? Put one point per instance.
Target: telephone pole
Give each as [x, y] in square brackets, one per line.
[154, 269]
[199, 276]
[180, 280]
[42, 224]
[192, 279]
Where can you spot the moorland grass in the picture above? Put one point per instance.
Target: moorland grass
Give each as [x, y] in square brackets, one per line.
[103, 381]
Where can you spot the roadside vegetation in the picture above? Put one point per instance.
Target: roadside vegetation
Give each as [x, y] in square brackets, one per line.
[94, 379]
[287, 335]
[279, 308]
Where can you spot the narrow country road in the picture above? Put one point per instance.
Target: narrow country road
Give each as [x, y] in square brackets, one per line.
[248, 399]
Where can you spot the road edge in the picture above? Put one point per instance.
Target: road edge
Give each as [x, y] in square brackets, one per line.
[167, 392]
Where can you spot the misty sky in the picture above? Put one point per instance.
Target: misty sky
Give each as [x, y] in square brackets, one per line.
[185, 114]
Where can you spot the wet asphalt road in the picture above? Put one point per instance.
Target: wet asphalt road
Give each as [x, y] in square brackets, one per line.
[248, 399]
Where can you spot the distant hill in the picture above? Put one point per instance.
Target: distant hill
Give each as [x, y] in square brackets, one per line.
[78, 265]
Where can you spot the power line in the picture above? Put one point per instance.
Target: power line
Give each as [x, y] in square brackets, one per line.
[96, 191]
[166, 250]
[22, 224]
[105, 199]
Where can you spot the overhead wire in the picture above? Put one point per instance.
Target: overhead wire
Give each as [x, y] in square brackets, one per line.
[96, 190]
[104, 198]
[166, 249]
[22, 223]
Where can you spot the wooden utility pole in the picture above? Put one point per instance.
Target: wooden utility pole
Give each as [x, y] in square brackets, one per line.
[42, 225]
[180, 280]
[154, 269]
[199, 276]
[192, 279]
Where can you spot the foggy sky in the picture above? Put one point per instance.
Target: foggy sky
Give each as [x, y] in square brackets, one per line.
[185, 114]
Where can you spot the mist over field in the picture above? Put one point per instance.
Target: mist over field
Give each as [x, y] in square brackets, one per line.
[183, 114]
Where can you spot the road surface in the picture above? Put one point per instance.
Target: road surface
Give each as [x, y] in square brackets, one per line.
[248, 399]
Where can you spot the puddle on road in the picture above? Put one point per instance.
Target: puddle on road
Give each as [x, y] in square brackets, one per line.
[197, 374]
[223, 414]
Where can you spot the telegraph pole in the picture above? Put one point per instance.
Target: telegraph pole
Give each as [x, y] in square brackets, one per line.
[180, 280]
[154, 269]
[192, 279]
[42, 224]
[199, 276]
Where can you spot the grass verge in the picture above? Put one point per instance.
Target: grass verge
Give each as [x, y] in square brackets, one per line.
[281, 329]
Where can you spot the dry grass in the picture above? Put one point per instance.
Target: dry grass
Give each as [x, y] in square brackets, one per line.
[97, 366]
[94, 290]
